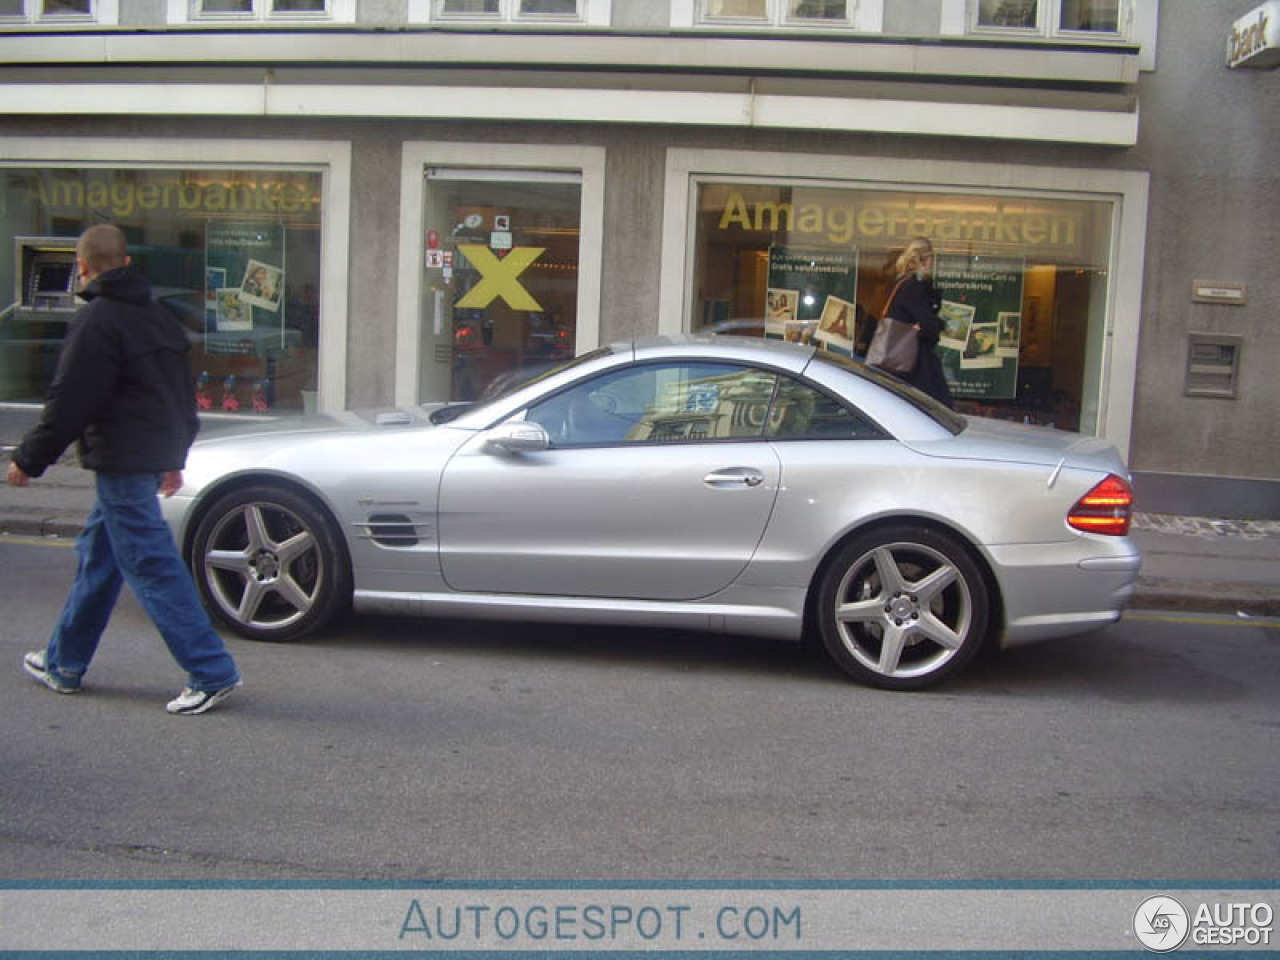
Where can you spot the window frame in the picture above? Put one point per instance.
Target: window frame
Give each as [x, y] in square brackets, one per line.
[591, 13]
[509, 13]
[1048, 25]
[665, 363]
[1128, 191]
[874, 430]
[260, 12]
[776, 16]
[1140, 19]
[863, 16]
[101, 12]
[781, 378]
[419, 155]
[330, 158]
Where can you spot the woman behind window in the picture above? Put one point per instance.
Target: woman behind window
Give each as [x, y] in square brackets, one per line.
[917, 303]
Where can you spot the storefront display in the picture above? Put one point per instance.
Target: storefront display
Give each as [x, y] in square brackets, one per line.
[981, 325]
[1023, 281]
[501, 277]
[234, 255]
[811, 296]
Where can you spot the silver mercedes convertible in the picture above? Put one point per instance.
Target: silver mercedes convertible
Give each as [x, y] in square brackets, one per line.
[734, 485]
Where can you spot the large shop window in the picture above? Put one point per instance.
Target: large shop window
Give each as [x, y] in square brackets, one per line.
[501, 278]
[1023, 282]
[234, 255]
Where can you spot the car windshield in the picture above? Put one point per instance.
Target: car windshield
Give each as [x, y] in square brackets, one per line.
[510, 382]
[945, 417]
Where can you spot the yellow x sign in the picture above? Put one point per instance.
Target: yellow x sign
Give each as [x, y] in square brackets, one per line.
[498, 277]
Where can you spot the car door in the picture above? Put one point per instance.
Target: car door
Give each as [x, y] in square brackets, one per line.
[657, 484]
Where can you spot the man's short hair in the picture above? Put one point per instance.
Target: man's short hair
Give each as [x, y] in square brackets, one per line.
[103, 247]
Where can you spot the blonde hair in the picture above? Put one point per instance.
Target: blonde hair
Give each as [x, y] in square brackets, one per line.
[102, 247]
[909, 259]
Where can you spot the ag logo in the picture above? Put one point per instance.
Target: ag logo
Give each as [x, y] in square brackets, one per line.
[1161, 924]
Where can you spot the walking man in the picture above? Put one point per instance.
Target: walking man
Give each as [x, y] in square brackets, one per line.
[123, 390]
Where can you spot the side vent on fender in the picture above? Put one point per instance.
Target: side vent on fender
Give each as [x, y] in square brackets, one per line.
[391, 530]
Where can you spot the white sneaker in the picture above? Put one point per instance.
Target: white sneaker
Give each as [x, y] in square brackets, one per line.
[198, 701]
[34, 664]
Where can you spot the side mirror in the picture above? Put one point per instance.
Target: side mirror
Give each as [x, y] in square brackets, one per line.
[517, 436]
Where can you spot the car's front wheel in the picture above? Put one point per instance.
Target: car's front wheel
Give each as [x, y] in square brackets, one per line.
[902, 607]
[268, 563]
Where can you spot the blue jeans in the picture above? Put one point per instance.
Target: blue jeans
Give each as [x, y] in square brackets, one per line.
[126, 539]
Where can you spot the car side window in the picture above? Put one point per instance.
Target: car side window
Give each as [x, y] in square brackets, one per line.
[803, 412]
[678, 402]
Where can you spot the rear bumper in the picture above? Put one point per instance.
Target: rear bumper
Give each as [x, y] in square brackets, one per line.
[1061, 589]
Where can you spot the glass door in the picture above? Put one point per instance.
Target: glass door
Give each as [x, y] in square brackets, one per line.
[501, 278]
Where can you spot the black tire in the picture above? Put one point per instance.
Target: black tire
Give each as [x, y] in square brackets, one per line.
[269, 564]
[902, 607]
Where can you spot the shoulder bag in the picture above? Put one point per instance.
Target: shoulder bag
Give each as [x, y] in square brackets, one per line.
[896, 343]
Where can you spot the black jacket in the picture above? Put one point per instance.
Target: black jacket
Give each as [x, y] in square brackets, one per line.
[917, 302]
[123, 386]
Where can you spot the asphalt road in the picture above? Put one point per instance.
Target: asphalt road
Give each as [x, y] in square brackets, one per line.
[393, 750]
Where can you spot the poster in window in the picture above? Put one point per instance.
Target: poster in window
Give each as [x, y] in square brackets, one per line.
[835, 329]
[233, 313]
[780, 321]
[957, 318]
[215, 279]
[981, 314]
[980, 351]
[811, 279]
[1010, 334]
[262, 285]
[250, 253]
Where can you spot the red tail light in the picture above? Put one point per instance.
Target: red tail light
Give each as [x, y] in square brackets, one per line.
[1104, 509]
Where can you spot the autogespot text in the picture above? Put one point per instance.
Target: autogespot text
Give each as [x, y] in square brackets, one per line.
[612, 923]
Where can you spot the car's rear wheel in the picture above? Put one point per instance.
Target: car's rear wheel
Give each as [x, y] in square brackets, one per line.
[268, 563]
[902, 607]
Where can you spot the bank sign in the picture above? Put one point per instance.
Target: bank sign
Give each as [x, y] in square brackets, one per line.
[1255, 38]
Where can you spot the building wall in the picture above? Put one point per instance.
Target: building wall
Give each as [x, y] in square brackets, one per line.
[912, 18]
[633, 234]
[375, 208]
[1209, 136]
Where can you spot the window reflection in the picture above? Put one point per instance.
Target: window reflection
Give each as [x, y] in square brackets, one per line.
[660, 403]
[471, 7]
[737, 9]
[1099, 16]
[501, 280]
[53, 8]
[1008, 13]
[233, 255]
[817, 9]
[1022, 283]
[559, 8]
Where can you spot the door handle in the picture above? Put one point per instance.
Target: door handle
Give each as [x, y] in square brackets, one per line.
[734, 477]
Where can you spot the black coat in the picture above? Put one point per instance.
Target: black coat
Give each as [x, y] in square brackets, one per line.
[917, 302]
[122, 388]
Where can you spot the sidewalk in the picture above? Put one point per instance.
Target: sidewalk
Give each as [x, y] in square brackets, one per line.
[1188, 563]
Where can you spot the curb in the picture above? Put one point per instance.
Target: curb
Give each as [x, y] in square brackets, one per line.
[1205, 596]
[53, 526]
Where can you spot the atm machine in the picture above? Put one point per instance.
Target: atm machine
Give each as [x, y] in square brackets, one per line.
[33, 327]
